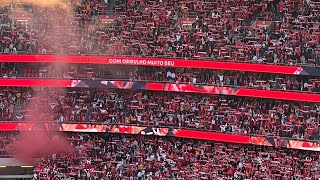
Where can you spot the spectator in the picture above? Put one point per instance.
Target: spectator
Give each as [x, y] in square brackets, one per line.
[111, 156]
[224, 31]
[211, 113]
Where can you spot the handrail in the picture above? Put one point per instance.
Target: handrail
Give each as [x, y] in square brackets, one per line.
[169, 57]
[162, 126]
[149, 81]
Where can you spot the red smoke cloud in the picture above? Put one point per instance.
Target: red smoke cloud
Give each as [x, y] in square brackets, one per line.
[53, 18]
[40, 141]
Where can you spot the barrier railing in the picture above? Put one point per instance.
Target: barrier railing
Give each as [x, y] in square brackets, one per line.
[149, 81]
[167, 87]
[173, 131]
[157, 126]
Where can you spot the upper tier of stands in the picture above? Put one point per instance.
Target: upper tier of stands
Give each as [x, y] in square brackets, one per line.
[260, 31]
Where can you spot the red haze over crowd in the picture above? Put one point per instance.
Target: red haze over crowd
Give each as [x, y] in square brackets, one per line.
[40, 140]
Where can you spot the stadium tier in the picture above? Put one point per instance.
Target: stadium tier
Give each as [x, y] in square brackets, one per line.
[111, 156]
[221, 118]
[157, 90]
[278, 32]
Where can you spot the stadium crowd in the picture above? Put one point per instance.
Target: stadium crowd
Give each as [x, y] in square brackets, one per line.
[228, 78]
[110, 156]
[9, 98]
[119, 157]
[227, 114]
[260, 31]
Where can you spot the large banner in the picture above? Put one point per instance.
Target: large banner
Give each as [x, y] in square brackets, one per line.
[216, 136]
[285, 143]
[164, 131]
[15, 126]
[35, 82]
[154, 86]
[162, 62]
[83, 128]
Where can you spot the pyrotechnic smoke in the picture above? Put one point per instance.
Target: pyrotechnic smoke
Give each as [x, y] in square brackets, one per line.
[53, 21]
[37, 3]
[43, 139]
[35, 143]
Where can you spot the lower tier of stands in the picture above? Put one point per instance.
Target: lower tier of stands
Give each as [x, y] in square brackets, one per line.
[107, 156]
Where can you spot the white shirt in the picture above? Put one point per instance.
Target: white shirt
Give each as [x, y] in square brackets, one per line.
[168, 74]
[61, 119]
[240, 165]
[178, 36]
[194, 80]
[173, 75]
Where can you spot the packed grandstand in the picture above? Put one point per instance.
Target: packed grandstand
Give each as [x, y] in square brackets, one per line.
[165, 89]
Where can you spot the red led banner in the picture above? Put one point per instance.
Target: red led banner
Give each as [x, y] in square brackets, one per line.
[7, 126]
[164, 131]
[35, 83]
[83, 128]
[161, 62]
[173, 87]
[215, 136]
